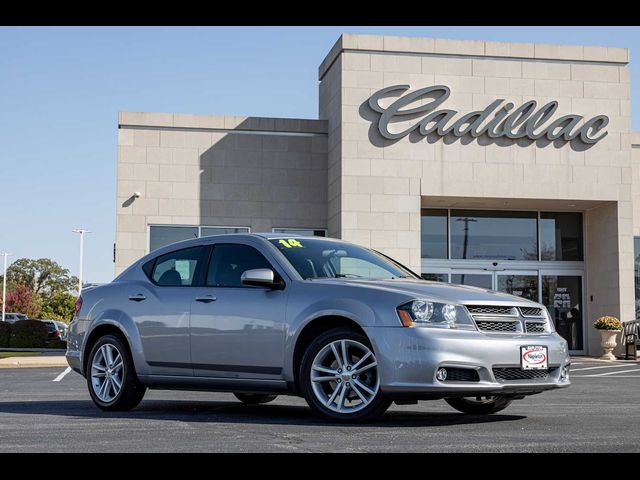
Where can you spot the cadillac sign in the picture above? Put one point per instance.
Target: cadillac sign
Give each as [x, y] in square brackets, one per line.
[494, 121]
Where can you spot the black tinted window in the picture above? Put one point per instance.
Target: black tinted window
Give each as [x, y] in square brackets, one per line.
[229, 261]
[177, 269]
[561, 236]
[485, 234]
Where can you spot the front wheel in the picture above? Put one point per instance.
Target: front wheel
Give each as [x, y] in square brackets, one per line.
[483, 405]
[255, 398]
[339, 377]
[111, 377]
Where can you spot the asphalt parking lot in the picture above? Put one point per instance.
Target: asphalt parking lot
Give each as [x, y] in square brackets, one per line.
[600, 412]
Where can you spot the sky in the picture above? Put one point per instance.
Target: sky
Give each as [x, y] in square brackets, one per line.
[61, 89]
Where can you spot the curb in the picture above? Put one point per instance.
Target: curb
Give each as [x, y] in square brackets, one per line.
[34, 362]
[61, 351]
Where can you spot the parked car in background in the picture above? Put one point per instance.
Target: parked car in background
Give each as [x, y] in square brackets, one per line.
[343, 326]
[56, 332]
[14, 317]
[63, 328]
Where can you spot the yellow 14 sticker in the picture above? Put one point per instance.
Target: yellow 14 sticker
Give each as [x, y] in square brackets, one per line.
[290, 243]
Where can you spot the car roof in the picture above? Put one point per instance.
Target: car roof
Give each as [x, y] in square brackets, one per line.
[193, 242]
[209, 239]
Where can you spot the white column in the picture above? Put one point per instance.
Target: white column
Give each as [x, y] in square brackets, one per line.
[81, 232]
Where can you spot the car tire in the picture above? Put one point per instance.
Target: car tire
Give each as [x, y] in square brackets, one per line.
[368, 407]
[254, 398]
[479, 407]
[110, 361]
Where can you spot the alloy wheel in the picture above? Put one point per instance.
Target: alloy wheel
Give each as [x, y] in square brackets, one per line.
[107, 373]
[344, 376]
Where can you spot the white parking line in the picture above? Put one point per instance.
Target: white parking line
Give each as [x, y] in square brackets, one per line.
[611, 373]
[62, 375]
[604, 366]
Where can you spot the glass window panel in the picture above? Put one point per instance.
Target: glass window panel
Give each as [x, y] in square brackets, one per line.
[433, 233]
[525, 286]
[229, 262]
[177, 269]
[208, 231]
[500, 235]
[159, 236]
[473, 280]
[307, 232]
[562, 295]
[436, 277]
[561, 236]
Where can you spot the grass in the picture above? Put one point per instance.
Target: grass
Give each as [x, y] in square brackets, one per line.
[19, 354]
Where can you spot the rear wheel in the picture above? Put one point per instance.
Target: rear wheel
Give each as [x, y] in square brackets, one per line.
[482, 405]
[339, 377]
[255, 398]
[111, 377]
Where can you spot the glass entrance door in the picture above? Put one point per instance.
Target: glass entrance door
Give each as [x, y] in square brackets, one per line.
[562, 295]
[519, 283]
[515, 282]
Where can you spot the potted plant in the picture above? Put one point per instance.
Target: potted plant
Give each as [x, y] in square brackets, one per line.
[609, 328]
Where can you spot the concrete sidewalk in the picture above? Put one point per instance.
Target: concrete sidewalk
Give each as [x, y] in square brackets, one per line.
[39, 361]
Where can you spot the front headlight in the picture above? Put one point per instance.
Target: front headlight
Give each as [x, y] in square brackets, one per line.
[423, 313]
[550, 325]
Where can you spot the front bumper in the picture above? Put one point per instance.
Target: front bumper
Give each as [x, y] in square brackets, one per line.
[408, 359]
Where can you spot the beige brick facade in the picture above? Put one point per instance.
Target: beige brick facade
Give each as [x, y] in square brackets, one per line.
[587, 81]
[339, 173]
[259, 173]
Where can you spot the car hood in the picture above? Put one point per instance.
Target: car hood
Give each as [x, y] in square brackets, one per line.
[435, 291]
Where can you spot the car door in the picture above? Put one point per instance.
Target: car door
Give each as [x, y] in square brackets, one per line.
[237, 331]
[161, 309]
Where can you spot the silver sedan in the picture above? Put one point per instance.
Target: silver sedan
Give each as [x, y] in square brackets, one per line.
[343, 326]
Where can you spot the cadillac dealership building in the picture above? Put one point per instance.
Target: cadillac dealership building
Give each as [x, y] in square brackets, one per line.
[502, 165]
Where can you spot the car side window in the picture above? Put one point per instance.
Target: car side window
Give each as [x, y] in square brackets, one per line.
[179, 268]
[229, 261]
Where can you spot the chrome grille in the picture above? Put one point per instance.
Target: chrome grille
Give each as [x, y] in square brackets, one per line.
[530, 311]
[491, 310]
[494, 326]
[533, 327]
[510, 374]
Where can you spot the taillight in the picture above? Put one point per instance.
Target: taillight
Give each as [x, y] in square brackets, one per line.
[78, 304]
[56, 333]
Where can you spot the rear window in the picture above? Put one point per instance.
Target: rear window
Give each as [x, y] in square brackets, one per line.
[179, 268]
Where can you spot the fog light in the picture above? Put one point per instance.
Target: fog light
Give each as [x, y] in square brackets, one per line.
[564, 373]
[441, 374]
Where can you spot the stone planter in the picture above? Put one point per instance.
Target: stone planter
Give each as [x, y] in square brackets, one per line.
[608, 343]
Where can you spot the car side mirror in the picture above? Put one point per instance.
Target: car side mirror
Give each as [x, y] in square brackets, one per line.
[260, 277]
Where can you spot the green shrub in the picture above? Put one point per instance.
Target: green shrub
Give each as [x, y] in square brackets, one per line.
[28, 334]
[5, 332]
[57, 344]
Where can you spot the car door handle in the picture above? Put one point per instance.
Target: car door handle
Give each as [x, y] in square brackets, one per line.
[206, 299]
[137, 298]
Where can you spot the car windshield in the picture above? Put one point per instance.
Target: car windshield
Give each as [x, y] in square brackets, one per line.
[323, 258]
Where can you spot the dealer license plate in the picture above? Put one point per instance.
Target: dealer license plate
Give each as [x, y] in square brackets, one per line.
[534, 357]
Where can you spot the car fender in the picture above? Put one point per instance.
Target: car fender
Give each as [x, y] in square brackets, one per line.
[126, 325]
[352, 309]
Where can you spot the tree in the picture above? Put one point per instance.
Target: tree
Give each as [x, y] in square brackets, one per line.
[42, 276]
[21, 300]
[59, 306]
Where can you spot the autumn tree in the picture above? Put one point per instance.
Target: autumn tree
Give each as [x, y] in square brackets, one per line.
[21, 300]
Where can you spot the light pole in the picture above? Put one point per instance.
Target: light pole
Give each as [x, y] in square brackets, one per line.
[81, 232]
[4, 284]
